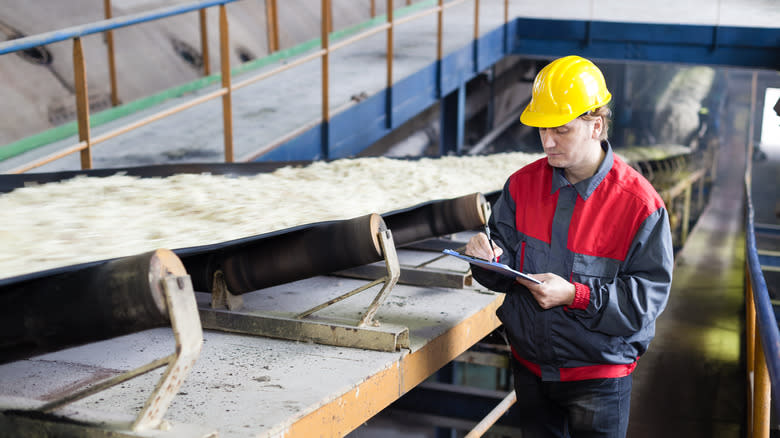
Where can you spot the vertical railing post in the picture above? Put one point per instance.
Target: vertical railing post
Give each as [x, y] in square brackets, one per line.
[330, 17]
[227, 101]
[686, 215]
[389, 92]
[752, 125]
[324, 36]
[440, 31]
[111, 61]
[373, 8]
[82, 101]
[204, 42]
[760, 377]
[700, 194]
[272, 25]
[750, 344]
[476, 19]
[762, 393]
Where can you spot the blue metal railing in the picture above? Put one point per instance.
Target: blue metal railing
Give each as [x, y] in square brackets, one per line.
[25, 43]
[766, 322]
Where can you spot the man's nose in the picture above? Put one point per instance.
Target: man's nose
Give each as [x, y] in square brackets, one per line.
[547, 140]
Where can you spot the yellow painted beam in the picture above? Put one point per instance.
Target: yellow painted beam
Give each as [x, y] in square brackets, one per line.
[353, 408]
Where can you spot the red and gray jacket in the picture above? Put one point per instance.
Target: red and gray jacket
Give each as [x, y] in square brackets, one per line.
[610, 236]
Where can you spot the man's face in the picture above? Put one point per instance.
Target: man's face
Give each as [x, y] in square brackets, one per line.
[569, 145]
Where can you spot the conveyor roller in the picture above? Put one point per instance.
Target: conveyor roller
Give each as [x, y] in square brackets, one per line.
[436, 218]
[78, 306]
[255, 263]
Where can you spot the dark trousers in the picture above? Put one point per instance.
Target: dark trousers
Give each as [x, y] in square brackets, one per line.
[586, 408]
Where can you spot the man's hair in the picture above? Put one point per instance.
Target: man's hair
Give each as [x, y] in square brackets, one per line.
[605, 113]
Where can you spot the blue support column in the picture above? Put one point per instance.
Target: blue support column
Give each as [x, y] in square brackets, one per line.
[389, 108]
[491, 105]
[453, 114]
[618, 82]
[446, 374]
[325, 140]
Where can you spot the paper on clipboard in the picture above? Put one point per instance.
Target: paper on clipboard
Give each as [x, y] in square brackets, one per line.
[492, 266]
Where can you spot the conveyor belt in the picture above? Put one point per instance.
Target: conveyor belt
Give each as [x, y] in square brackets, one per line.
[76, 304]
[282, 255]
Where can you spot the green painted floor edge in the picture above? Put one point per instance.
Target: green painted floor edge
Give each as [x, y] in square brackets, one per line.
[71, 128]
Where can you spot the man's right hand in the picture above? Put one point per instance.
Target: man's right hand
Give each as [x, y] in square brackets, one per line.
[479, 247]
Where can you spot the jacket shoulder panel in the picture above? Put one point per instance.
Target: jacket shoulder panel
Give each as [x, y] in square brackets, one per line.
[605, 225]
[531, 187]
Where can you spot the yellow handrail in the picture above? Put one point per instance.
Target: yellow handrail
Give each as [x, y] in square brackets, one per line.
[759, 317]
[759, 385]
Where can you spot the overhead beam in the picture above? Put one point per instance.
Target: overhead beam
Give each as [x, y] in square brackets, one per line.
[620, 41]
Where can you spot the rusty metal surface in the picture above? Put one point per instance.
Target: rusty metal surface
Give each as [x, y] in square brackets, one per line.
[384, 338]
[414, 276]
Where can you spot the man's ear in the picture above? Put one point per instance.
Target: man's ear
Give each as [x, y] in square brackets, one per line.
[598, 126]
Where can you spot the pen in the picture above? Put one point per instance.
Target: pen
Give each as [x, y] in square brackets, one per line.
[490, 240]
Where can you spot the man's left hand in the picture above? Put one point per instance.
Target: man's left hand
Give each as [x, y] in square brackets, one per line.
[553, 291]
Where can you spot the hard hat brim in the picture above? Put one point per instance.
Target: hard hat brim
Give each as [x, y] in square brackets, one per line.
[545, 120]
[539, 120]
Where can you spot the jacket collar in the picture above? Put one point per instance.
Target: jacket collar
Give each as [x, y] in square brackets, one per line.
[586, 187]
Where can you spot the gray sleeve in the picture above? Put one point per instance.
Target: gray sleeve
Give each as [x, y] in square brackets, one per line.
[504, 233]
[639, 293]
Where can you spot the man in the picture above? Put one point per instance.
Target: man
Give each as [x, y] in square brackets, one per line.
[597, 235]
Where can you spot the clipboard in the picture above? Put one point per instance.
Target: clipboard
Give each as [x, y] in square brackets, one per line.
[492, 266]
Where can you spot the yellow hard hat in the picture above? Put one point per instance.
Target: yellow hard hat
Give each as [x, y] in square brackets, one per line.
[564, 90]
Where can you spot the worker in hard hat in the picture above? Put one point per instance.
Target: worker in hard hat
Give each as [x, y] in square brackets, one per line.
[597, 235]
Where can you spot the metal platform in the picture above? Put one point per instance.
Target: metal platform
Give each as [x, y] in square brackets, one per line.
[245, 385]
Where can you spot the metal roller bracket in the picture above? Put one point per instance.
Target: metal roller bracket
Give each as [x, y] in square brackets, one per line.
[221, 297]
[365, 334]
[188, 335]
[421, 273]
[393, 273]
